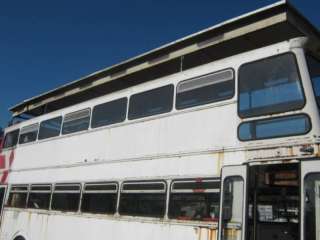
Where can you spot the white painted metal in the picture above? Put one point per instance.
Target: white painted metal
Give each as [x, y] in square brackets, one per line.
[236, 225]
[195, 142]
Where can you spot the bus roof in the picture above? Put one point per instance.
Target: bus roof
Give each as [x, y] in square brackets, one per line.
[265, 26]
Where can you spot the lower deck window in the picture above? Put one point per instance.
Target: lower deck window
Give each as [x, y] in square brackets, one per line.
[274, 127]
[18, 196]
[99, 198]
[39, 197]
[191, 200]
[66, 198]
[143, 199]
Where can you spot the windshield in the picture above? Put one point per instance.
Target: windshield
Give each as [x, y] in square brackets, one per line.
[314, 70]
[270, 85]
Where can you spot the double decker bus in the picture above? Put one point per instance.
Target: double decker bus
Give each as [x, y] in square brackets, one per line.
[212, 137]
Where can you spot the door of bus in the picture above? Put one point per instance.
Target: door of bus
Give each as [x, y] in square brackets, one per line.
[232, 203]
[273, 201]
[310, 205]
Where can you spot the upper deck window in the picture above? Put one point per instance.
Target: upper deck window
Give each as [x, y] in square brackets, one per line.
[274, 127]
[147, 199]
[50, 128]
[28, 133]
[314, 70]
[205, 89]
[270, 86]
[11, 139]
[76, 121]
[109, 113]
[152, 102]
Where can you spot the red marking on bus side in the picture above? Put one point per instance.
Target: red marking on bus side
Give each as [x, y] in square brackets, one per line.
[6, 172]
[2, 161]
[199, 180]
[11, 158]
[4, 176]
[198, 190]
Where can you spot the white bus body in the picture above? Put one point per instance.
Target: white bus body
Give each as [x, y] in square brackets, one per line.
[190, 145]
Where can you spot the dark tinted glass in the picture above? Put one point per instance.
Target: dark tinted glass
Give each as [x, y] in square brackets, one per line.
[28, 134]
[11, 139]
[50, 128]
[67, 188]
[143, 204]
[39, 200]
[65, 201]
[269, 86]
[144, 186]
[19, 188]
[77, 121]
[314, 70]
[206, 89]
[109, 113]
[101, 187]
[196, 185]
[17, 200]
[152, 102]
[41, 188]
[272, 128]
[99, 203]
[194, 206]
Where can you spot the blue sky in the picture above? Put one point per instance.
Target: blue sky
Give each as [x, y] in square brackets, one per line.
[44, 44]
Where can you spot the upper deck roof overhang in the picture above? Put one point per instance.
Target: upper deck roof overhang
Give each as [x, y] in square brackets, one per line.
[275, 23]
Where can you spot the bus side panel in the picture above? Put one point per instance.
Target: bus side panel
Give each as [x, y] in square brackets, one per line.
[39, 226]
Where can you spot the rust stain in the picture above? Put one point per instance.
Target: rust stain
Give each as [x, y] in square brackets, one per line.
[213, 234]
[220, 160]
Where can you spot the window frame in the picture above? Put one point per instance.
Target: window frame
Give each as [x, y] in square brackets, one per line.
[18, 191]
[204, 75]
[133, 118]
[5, 137]
[116, 192]
[189, 190]
[46, 120]
[272, 118]
[40, 191]
[244, 201]
[36, 125]
[195, 191]
[274, 112]
[74, 112]
[163, 191]
[54, 191]
[109, 102]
